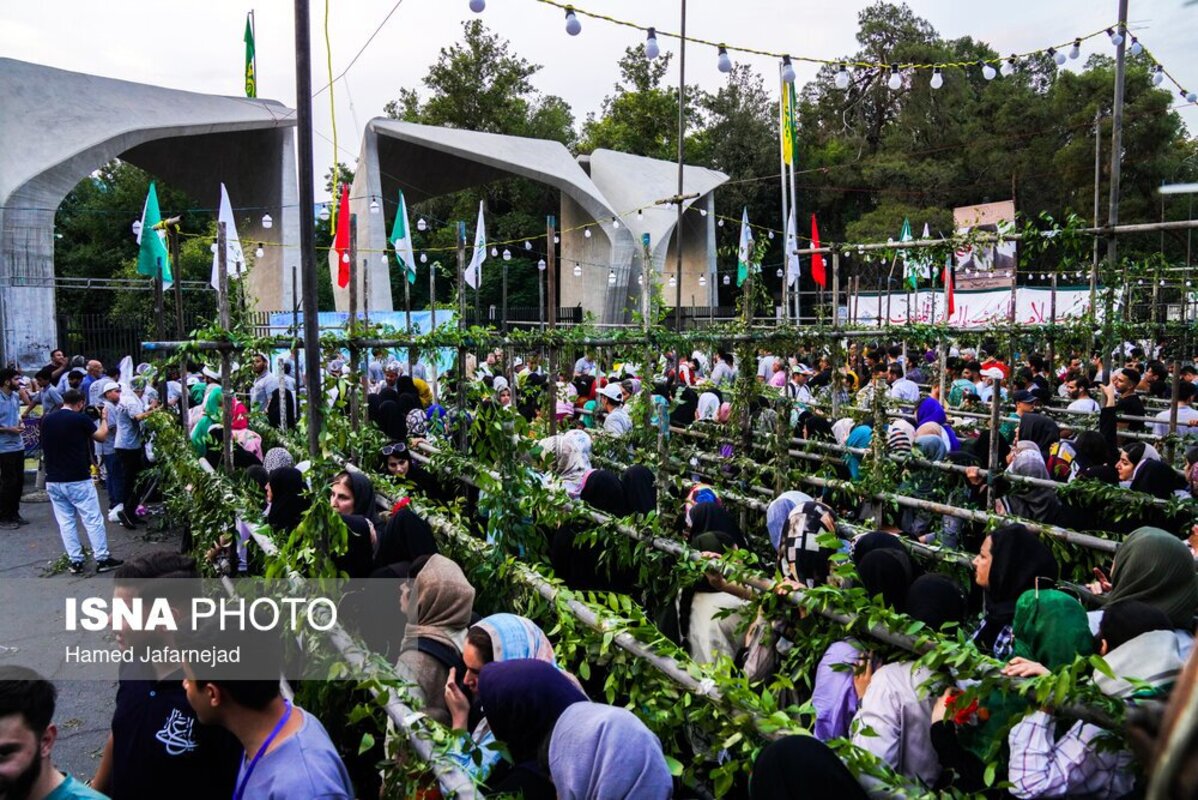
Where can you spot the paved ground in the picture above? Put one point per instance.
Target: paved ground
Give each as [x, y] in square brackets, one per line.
[84, 708]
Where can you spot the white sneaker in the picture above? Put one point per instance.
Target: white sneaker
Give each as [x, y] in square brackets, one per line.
[112, 515]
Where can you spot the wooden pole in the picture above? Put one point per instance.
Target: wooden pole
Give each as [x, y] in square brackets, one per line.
[551, 317]
[461, 420]
[681, 165]
[178, 287]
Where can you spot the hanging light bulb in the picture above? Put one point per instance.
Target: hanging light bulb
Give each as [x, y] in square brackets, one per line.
[611, 277]
[770, 234]
[722, 61]
[587, 233]
[527, 245]
[720, 223]
[1057, 56]
[673, 281]
[1158, 75]
[421, 225]
[1140, 282]
[1008, 67]
[615, 223]
[494, 251]
[557, 239]
[640, 280]
[1116, 36]
[577, 270]
[136, 227]
[788, 70]
[424, 258]
[478, 6]
[779, 272]
[267, 222]
[374, 206]
[988, 71]
[727, 280]
[1136, 48]
[1191, 97]
[640, 214]
[383, 259]
[213, 248]
[573, 26]
[324, 212]
[345, 258]
[702, 280]
[651, 48]
[937, 78]
[896, 81]
[541, 265]
[259, 252]
[1075, 51]
[507, 254]
[842, 76]
[702, 212]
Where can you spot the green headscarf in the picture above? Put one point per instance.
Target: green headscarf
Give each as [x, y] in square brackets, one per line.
[211, 415]
[1155, 567]
[196, 393]
[588, 420]
[1051, 628]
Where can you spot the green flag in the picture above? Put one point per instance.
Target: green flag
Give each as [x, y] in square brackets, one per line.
[744, 253]
[401, 239]
[909, 272]
[251, 72]
[151, 248]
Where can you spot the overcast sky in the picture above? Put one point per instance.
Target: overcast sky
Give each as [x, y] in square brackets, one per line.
[197, 44]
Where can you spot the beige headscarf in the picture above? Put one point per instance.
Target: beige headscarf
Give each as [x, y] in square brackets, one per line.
[444, 599]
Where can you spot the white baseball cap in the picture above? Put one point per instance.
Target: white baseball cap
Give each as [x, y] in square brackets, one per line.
[993, 372]
[108, 387]
[613, 392]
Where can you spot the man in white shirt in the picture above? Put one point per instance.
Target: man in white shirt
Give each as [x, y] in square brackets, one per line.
[1187, 416]
[765, 367]
[901, 388]
[1079, 393]
[617, 422]
[724, 371]
[585, 365]
[797, 390]
[265, 384]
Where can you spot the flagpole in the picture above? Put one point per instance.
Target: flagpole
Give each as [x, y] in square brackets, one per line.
[681, 153]
[786, 244]
[794, 201]
[254, 33]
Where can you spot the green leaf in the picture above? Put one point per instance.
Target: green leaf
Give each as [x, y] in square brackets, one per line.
[366, 743]
[674, 765]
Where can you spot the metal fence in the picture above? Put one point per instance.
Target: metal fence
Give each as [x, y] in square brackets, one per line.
[108, 340]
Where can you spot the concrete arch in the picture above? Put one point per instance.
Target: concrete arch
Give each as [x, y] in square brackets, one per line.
[57, 127]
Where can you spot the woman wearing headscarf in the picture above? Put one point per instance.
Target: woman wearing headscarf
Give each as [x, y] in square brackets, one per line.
[413, 415]
[277, 457]
[406, 537]
[841, 430]
[1039, 503]
[571, 458]
[1141, 469]
[895, 715]
[685, 412]
[1155, 567]
[859, 438]
[800, 557]
[930, 410]
[708, 616]
[392, 421]
[210, 414]
[712, 516]
[286, 494]
[438, 608]
[498, 638]
[1091, 459]
[601, 752]
[708, 407]
[353, 493]
[1009, 563]
[777, 514]
[816, 428]
[1039, 429]
[888, 574]
[579, 565]
[801, 767]
[640, 490]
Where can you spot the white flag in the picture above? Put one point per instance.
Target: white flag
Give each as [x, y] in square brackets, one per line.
[793, 268]
[234, 257]
[744, 253]
[474, 270]
[401, 239]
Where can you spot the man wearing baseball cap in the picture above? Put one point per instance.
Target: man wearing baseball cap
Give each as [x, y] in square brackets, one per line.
[617, 421]
[797, 390]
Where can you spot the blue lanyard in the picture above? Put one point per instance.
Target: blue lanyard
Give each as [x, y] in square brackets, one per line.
[262, 751]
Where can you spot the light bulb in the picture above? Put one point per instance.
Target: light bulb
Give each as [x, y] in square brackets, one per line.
[587, 233]
[640, 214]
[541, 265]
[896, 81]
[702, 280]
[702, 212]
[1140, 282]
[507, 254]
[267, 222]
[1191, 97]
[779, 272]
[937, 78]
[770, 234]
[1057, 56]
[1116, 36]
[259, 252]
[673, 281]
[615, 223]
[421, 225]
[1158, 75]
[557, 239]
[573, 26]
[611, 277]
[1008, 67]
[374, 206]
[213, 248]
[424, 258]
[494, 252]
[324, 213]
[478, 6]
[1136, 48]
[842, 77]
[345, 258]
[527, 245]
[722, 61]
[788, 70]
[727, 280]
[137, 227]
[640, 280]
[577, 271]
[988, 71]
[651, 48]
[1075, 51]
[383, 259]
[720, 223]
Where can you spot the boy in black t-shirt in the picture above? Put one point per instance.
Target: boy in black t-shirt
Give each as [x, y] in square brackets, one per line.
[156, 747]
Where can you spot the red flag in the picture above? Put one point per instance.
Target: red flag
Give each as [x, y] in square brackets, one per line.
[949, 301]
[817, 259]
[341, 240]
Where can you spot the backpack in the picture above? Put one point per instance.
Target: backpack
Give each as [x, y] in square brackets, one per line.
[1060, 460]
[449, 657]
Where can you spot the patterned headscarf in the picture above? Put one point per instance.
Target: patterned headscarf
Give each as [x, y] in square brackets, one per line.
[800, 556]
[514, 637]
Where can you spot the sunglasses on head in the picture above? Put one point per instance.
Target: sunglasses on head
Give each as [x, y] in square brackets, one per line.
[396, 450]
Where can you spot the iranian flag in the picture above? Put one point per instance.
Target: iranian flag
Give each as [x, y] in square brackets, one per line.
[401, 239]
[744, 253]
[151, 241]
[818, 274]
[341, 240]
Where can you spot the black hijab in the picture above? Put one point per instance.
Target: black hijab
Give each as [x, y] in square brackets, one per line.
[288, 501]
[889, 573]
[358, 559]
[393, 421]
[935, 600]
[640, 493]
[1017, 558]
[1039, 429]
[258, 474]
[713, 517]
[801, 767]
[1157, 479]
[388, 393]
[363, 492]
[405, 385]
[603, 490]
[684, 414]
[818, 428]
[981, 449]
[373, 403]
[875, 540]
[406, 537]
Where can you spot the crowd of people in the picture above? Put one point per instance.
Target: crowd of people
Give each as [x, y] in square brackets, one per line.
[495, 676]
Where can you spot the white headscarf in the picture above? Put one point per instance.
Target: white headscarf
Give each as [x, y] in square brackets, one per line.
[709, 406]
[842, 428]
